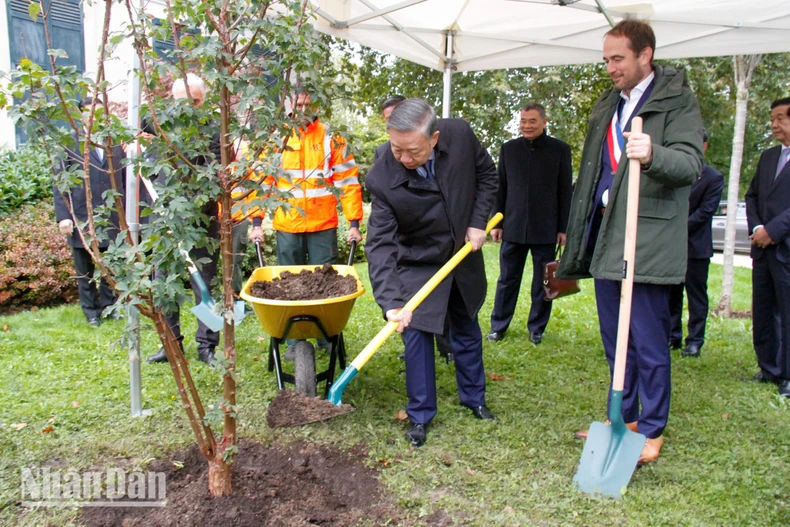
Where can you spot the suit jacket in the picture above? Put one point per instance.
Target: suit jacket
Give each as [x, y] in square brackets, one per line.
[768, 203]
[534, 189]
[416, 225]
[100, 183]
[703, 201]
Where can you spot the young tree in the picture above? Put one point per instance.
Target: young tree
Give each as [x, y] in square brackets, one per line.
[249, 53]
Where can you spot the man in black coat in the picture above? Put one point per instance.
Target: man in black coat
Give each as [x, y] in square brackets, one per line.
[768, 214]
[73, 205]
[535, 197]
[703, 201]
[207, 339]
[432, 192]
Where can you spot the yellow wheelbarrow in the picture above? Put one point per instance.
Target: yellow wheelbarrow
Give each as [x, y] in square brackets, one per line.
[303, 319]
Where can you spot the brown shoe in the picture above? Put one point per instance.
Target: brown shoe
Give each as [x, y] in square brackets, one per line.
[582, 434]
[651, 450]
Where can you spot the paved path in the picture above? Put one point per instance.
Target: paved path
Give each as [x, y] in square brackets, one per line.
[741, 260]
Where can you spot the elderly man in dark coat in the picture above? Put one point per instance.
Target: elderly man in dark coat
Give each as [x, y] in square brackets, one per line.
[432, 192]
[71, 205]
[535, 197]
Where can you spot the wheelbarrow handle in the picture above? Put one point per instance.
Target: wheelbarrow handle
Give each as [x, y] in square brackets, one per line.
[258, 250]
[351, 252]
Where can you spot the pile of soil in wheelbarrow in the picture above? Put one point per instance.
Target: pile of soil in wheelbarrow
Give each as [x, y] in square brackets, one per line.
[322, 283]
[292, 408]
[298, 485]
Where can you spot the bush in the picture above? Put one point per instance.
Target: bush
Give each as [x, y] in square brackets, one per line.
[25, 177]
[36, 267]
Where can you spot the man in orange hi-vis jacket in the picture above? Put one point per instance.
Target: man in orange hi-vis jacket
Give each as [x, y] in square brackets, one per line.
[315, 160]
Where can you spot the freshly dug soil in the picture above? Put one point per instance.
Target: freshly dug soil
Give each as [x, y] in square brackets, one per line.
[292, 408]
[298, 485]
[324, 282]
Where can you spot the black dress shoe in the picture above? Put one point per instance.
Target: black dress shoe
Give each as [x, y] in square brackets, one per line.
[416, 434]
[495, 336]
[94, 321]
[691, 350]
[206, 355]
[760, 376]
[784, 388]
[482, 412]
[675, 344]
[160, 355]
[536, 338]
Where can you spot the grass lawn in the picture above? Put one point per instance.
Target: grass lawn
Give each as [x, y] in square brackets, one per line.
[726, 458]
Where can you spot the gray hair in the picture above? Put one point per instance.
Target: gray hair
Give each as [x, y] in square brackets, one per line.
[535, 106]
[413, 114]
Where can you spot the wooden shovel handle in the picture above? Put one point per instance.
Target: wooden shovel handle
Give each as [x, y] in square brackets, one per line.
[629, 262]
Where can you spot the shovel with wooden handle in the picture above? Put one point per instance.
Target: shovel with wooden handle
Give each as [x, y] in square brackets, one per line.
[612, 451]
[336, 393]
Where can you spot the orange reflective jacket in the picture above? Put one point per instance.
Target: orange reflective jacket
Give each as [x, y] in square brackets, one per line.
[314, 160]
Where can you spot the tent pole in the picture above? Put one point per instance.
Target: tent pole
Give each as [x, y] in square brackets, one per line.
[132, 314]
[448, 75]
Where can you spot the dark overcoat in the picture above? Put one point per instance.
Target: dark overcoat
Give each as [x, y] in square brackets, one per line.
[100, 183]
[416, 225]
[703, 201]
[534, 189]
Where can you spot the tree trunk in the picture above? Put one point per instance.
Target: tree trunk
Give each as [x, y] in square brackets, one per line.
[219, 476]
[744, 68]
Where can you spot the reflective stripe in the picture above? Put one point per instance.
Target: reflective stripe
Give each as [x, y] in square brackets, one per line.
[295, 173]
[342, 167]
[311, 193]
[353, 180]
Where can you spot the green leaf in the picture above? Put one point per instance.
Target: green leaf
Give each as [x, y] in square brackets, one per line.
[33, 9]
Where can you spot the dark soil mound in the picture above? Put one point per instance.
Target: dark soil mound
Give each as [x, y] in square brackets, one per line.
[324, 282]
[292, 408]
[300, 485]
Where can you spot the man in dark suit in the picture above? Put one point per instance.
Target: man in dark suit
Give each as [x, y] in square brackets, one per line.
[535, 197]
[72, 204]
[768, 214]
[703, 202]
[432, 192]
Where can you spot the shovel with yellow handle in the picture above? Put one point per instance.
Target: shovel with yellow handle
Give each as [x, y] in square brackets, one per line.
[612, 451]
[336, 393]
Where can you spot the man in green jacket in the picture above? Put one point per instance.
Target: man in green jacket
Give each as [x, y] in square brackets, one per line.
[670, 151]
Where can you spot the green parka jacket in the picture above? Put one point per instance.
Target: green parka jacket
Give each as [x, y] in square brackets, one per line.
[672, 119]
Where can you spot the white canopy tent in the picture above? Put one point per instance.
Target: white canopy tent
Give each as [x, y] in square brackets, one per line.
[468, 35]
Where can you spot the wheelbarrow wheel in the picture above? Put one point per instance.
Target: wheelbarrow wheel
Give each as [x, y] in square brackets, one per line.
[304, 374]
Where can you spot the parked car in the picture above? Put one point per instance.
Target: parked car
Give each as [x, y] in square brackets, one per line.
[719, 221]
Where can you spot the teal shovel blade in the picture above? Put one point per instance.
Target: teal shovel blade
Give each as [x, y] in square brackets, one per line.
[610, 455]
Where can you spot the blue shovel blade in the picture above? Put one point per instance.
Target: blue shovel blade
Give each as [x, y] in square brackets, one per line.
[205, 314]
[610, 455]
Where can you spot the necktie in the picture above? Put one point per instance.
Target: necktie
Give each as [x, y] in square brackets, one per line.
[783, 158]
[429, 167]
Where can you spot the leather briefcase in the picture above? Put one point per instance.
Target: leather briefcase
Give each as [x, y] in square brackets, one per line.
[553, 287]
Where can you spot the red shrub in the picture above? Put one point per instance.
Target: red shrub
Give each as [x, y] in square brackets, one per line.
[36, 267]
